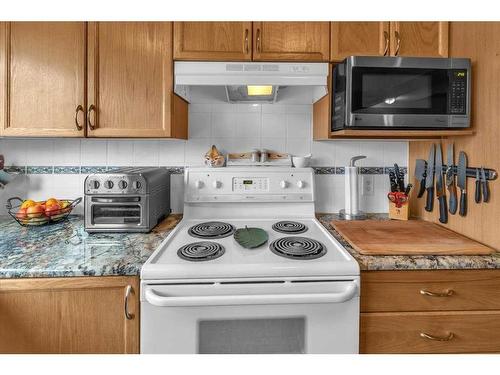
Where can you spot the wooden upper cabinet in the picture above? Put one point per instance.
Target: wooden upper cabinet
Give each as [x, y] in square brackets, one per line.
[130, 80]
[213, 41]
[422, 39]
[291, 41]
[42, 78]
[69, 315]
[359, 38]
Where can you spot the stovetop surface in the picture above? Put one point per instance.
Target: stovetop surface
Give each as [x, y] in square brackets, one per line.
[239, 262]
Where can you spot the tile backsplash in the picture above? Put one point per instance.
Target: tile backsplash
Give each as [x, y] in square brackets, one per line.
[232, 127]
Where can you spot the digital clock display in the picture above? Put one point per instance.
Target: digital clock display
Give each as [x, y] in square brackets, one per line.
[247, 182]
[460, 74]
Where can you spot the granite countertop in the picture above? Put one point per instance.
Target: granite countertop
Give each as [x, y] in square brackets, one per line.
[65, 249]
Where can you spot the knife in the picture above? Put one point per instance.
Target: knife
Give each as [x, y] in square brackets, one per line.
[399, 178]
[462, 182]
[420, 166]
[443, 209]
[392, 179]
[477, 192]
[450, 180]
[486, 190]
[429, 180]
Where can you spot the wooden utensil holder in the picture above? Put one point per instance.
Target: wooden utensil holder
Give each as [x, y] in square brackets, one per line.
[399, 213]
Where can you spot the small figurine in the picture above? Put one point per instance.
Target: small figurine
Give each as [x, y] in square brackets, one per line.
[213, 158]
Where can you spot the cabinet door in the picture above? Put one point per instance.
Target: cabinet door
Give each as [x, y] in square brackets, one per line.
[212, 41]
[42, 77]
[130, 79]
[425, 39]
[69, 315]
[291, 41]
[359, 38]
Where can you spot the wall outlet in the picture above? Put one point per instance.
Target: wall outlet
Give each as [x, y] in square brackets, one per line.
[367, 185]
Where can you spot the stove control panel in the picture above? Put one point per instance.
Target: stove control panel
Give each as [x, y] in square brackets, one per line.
[250, 184]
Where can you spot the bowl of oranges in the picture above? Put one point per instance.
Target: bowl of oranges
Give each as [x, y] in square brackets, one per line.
[28, 212]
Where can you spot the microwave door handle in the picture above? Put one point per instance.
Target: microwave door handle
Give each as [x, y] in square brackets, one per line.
[262, 299]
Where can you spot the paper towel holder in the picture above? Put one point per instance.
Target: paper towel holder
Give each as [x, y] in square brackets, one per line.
[351, 211]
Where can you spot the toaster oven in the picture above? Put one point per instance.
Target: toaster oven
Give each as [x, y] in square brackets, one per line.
[126, 199]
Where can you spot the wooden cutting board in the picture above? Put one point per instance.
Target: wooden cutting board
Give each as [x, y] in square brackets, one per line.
[412, 237]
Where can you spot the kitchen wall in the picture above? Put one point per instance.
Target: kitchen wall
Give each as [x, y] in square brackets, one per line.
[57, 167]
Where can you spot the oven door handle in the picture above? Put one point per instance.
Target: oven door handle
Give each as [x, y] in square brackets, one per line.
[259, 299]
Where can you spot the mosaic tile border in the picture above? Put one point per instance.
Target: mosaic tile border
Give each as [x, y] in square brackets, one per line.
[180, 170]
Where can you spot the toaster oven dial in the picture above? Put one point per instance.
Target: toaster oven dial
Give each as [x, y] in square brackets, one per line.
[94, 184]
[136, 185]
[122, 184]
[108, 184]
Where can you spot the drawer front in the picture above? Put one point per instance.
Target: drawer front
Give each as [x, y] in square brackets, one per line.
[460, 332]
[440, 290]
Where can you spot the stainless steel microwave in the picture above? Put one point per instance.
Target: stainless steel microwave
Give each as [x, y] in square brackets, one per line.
[401, 93]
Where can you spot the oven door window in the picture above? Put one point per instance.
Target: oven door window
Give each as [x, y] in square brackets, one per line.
[252, 336]
[399, 91]
[116, 214]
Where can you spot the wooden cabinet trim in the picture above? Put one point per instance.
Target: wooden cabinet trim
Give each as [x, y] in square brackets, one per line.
[322, 112]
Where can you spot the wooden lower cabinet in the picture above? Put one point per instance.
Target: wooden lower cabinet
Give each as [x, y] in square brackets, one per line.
[441, 311]
[69, 315]
[430, 332]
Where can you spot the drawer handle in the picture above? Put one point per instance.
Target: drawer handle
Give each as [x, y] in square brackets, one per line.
[437, 338]
[446, 293]
[128, 291]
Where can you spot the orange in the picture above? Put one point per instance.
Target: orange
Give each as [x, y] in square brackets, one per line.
[28, 203]
[51, 202]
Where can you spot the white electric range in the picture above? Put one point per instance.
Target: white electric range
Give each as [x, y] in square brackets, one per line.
[202, 292]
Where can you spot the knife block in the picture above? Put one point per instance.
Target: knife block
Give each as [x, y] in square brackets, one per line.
[402, 213]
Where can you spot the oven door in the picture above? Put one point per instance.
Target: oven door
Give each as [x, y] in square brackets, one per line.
[116, 212]
[251, 317]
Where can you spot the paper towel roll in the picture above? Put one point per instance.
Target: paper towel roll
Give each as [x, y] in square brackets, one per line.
[351, 191]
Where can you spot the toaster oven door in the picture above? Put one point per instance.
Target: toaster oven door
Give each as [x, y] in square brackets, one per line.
[116, 212]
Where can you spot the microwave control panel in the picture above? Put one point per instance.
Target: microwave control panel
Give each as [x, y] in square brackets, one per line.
[458, 92]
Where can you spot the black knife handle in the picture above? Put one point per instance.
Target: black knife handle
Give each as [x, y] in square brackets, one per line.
[463, 203]
[486, 192]
[443, 209]
[453, 199]
[421, 190]
[429, 205]
[477, 192]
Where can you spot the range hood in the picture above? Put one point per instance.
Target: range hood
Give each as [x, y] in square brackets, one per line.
[250, 82]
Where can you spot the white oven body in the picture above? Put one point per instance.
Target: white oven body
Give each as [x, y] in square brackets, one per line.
[306, 315]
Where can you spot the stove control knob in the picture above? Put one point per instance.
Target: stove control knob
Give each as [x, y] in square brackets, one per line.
[301, 184]
[198, 184]
[136, 185]
[108, 184]
[216, 184]
[122, 184]
[283, 184]
[94, 184]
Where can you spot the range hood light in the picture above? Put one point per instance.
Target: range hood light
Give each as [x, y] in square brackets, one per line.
[259, 90]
